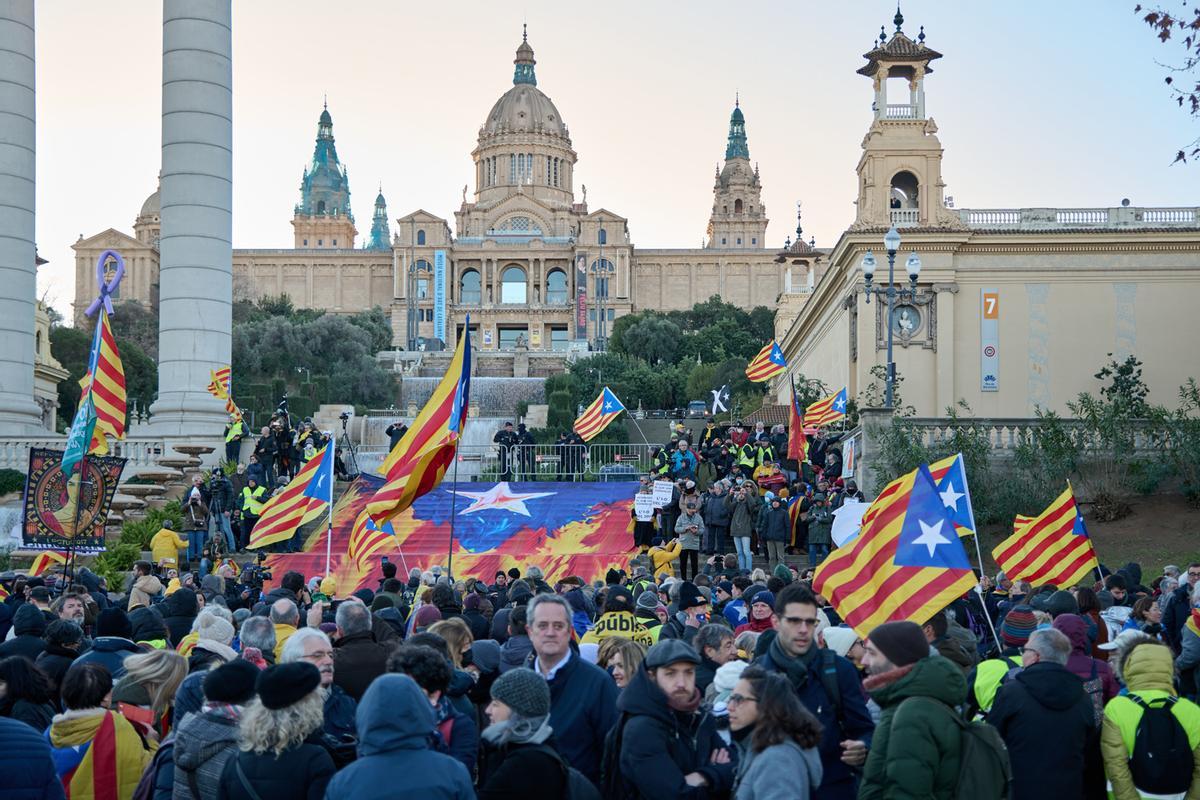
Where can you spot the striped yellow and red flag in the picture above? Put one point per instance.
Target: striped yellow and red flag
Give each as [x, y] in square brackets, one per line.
[418, 462]
[105, 382]
[45, 560]
[285, 512]
[827, 411]
[797, 441]
[906, 562]
[1053, 547]
[1193, 621]
[767, 364]
[221, 387]
[596, 417]
[367, 538]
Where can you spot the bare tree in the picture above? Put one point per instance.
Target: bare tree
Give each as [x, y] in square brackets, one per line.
[1182, 28]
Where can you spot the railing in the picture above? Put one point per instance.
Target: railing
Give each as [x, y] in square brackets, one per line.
[141, 451]
[1082, 216]
[534, 462]
[1159, 215]
[1004, 436]
[1114, 218]
[901, 111]
[991, 217]
[906, 217]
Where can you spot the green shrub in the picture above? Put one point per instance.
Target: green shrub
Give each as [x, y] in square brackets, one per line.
[139, 532]
[115, 562]
[11, 480]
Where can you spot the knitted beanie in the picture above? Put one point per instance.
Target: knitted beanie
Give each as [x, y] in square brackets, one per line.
[840, 640]
[902, 643]
[210, 626]
[427, 615]
[114, 622]
[1017, 626]
[285, 685]
[647, 600]
[524, 691]
[1061, 602]
[690, 596]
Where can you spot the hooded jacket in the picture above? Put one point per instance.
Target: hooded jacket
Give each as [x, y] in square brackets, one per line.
[395, 723]
[122, 752]
[358, 659]
[916, 751]
[299, 773]
[1149, 674]
[144, 588]
[515, 652]
[179, 612]
[28, 626]
[148, 627]
[759, 773]
[165, 546]
[659, 745]
[1043, 699]
[204, 743]
[110, 652]
[1081, 662]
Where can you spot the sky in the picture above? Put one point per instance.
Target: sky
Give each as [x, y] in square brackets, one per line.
[1037, 104]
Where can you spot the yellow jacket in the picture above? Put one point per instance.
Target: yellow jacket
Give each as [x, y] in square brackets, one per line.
[661, 557]
[283, 632]
[128, 758]
[1149, 673]
[165, 547]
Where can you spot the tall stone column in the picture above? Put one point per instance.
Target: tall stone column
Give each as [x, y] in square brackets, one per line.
[195, 248]
[18, 273]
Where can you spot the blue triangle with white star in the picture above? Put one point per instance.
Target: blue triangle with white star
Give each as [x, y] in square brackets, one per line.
[927, 537]
[956, 496]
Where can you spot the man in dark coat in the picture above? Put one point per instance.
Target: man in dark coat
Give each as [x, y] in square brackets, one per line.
[358, 658]
[1047, 722]
[1179, 607]
[28, 625]
[669, 746]
[395, 432]
[26, 764]
[505, 438]
[113, 642]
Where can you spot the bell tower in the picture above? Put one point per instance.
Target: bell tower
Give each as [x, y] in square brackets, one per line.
[738, 221]
[900, 172]
[322, 218]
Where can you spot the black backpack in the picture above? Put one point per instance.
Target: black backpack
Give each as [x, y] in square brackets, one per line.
[1162, 759]
[578, 787]
[612, 783]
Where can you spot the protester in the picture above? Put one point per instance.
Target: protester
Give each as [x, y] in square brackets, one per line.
[395, 722]
[64, 641]
[621, 658]
[689, 527]
[113, 643]
[582, 696]
[150, 683]
[618, 620]
[1097, 676]
[518, 757]
[285, 617]
[776, 737]
[165, 546]
[357, 657]
[279, 757]
[313, 647]
[28, 627]
[985, 679]
[25, 693]
[1046, 720]
[762, 613]
[27, 764]
[423, 658]
[668, 746]
[714, 643]
[915, 754]
[208, 739]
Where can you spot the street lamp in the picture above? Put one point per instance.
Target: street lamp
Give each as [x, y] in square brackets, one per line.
[891, 243]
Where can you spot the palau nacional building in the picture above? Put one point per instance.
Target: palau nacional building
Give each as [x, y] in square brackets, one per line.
[1013, 308]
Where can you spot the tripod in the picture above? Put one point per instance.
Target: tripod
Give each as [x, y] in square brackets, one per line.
[350, 442]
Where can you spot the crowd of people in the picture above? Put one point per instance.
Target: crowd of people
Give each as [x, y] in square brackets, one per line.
[729, 683]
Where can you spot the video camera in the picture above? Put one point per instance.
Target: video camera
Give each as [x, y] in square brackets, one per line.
[253, 575]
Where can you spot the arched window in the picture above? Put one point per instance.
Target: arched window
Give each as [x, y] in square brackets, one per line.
[737, 206]
[603, 236]
[556, 287]
[604, 271]
[423, 271]
[420, 237]
[512, 286]
[37, 347]
[320, 206]
[904, 190]
[469, 292]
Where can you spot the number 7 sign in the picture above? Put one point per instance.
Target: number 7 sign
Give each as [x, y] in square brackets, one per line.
[989, 340]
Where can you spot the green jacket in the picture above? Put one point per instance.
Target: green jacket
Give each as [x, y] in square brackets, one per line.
[916, 749]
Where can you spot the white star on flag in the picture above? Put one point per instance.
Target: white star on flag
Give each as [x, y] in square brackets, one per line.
[501, 498]
[839, 404]
[931, 535]
[950, 497]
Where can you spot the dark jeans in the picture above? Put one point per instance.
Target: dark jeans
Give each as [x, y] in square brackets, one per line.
[714, 539]
[684, 557]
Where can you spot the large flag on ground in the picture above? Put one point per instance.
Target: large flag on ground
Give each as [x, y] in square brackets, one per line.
[285, 512]
[827, 411]
[596, 417]
[797, 442]
[418, 462]
[767, 364]
[1054, 547]
[905, 564]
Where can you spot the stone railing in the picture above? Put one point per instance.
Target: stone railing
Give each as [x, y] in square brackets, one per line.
[1005, 435]
[1116, 218]
[906, 217]
[142, 451]
[901, 111]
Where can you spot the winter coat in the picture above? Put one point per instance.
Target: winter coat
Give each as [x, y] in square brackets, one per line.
[204, 743]
[683, 465]
[917, 749]
[126, 758]
[758, 773]
[165, 546]
[1175, 615]
[195, 515]
[148, 626]
[583, 709]
[1043, 699]
[300, 773]
[395, 722]
[55, 660]
[618, 623]
[110, 652]
[28, 627]
[26, 764]
[477, 622]
[661, 557]
[528, 771]
[659, 745]
[716, 511]
[340, 710]
[515, 652]
[357, 660]
[179, 612]
[36, 715]
[142, 590]
[689, 540]
[1081, 662]
[777, 525]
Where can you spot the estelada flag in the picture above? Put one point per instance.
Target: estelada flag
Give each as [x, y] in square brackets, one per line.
[418, 462]
[367, 538]
[596, 417]
[285, 512]
[826, 411]
[905, 564]
[767, 364]
[1053, 547]
[797, 441]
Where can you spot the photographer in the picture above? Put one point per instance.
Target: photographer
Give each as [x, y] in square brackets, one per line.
[195, 523]
[690, 529]
[220, 507]
[743, 507]
[264, 454]
[395, 432]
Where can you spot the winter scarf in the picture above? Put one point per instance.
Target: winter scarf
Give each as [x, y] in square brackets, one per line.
[796, 669]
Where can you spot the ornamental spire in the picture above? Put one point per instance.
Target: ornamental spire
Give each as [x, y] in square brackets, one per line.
[523, 73]
[737, 147]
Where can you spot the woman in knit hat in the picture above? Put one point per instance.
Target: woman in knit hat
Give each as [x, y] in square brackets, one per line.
[516, 760]
[277, 738]
[762, 614]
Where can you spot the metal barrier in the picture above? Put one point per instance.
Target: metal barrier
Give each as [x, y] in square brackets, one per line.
[548, 462]
[619, 462]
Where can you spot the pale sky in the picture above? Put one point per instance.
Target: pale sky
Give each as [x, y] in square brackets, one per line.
[1038, 104]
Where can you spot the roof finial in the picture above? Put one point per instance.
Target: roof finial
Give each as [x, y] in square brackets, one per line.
[882, 35]
[899, 18]
[799, 230]
[325, 101]
[921, 35]
[737, 99]
[524, 32]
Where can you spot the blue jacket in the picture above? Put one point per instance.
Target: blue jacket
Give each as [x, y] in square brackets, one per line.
[340, 709]
[395, 722]
[110, 652]
[838, 781]
[26, 764]
[683, 465]
[583, 709]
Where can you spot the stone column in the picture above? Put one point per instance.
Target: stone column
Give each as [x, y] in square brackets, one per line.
[874, 422]
[196, 251]
[19, 414]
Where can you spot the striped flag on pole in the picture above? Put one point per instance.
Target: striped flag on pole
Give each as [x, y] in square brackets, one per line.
[596, 417]
[827, 411]
[46, 560]
[104, 383]
[767, 364]
[311, 489]
[1053, 547]
[368, 538]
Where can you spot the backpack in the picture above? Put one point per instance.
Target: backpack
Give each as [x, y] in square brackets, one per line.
[1094, 687]
[578, 787]
[984, 772]
[612, 784]
[1161, 762]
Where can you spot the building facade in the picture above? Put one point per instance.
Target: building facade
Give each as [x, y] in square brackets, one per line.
[1014, 309]
[528, 259]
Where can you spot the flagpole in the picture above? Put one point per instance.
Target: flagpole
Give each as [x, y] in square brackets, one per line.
[453, 507]
[71, 542]
[330, 451]
[978, 553]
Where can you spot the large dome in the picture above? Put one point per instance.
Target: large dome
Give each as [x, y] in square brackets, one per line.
[152, 206]
[523, 108]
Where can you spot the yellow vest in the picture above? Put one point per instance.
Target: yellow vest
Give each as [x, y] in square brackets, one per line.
[235, 430]
[252, 502]
[988, 676]
[618, 623]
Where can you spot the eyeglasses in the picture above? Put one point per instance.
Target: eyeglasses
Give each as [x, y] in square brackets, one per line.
[738, 699]
[318, 655]
[810, 622]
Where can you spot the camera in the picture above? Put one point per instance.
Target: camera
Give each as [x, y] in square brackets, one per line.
[345, 415]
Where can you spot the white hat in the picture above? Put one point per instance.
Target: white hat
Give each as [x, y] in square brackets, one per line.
[724, 680]
[1123, 638]
[840, 640]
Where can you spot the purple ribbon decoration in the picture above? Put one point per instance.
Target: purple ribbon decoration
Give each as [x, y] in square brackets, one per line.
[107, 288]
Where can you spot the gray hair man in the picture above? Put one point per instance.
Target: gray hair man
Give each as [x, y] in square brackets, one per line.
[357, 656]
[259, 633]
[313, 646]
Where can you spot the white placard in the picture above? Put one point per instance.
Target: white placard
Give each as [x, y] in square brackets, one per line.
[663, 492]
[643, 506]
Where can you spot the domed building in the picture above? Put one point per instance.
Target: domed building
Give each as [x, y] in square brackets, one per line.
[536, 268]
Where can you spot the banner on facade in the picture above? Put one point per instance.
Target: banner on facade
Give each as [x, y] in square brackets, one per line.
[439, 295]
[989, 340]
[581, 297]
[62, 513]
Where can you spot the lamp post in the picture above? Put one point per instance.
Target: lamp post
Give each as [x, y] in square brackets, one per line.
[891, 243]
